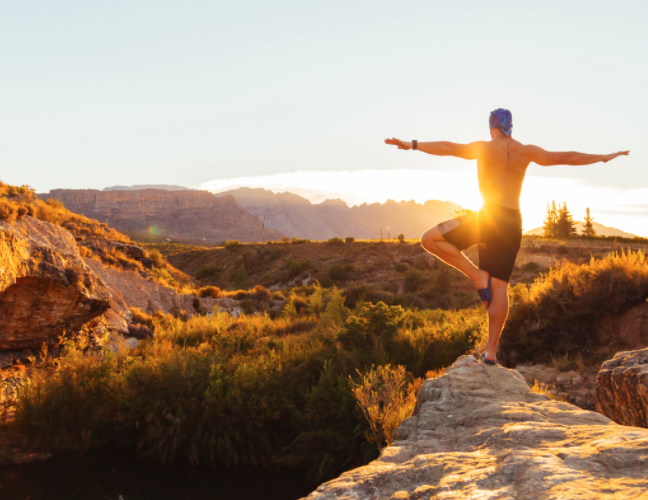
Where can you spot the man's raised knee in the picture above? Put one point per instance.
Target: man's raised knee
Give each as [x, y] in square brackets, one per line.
[428, 240]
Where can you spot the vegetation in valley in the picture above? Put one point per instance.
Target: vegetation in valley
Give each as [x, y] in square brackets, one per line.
[249, 390]
[557, 314]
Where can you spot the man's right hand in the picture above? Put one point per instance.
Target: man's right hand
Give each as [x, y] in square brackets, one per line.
[607, 158]
[397, 142]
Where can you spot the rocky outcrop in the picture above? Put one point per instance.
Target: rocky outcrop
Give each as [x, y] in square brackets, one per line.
[622, 388]
[45, 287]
[479, 432]
[180, 215]
[129, 289]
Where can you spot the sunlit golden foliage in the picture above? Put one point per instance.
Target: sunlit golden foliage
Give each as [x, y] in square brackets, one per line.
[246, 390]
[557, 314]
[385, 399]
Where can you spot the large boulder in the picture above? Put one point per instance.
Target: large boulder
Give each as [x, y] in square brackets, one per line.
[479, 432]
[46, 289]
[622, 388]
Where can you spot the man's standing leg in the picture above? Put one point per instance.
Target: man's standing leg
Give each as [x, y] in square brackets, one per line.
[497, 313]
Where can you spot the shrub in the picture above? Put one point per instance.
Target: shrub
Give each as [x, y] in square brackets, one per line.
[21, 212]
[335, 241]
[232, 244]
[400, 267]
[140, 317]
[531, 266]
[285, 239]
[207, 271]
[297, 241]
[240, 278]
[349, 239]
[247, 306]
[157, 258]
[385, 400]
[7, 211]
[401, 238]
[296, 267]
[337, 272]
[413, 279]
[140, 331]
[557, 315]
[195, 303]
[212, 292]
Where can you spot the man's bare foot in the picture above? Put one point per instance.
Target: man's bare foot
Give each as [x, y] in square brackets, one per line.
[481, 282]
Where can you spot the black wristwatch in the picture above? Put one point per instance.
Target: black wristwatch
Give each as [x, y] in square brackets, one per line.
[414, 144]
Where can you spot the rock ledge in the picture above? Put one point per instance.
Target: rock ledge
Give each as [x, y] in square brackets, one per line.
[479, 432]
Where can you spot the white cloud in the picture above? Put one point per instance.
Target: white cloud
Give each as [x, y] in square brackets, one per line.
[624, 209]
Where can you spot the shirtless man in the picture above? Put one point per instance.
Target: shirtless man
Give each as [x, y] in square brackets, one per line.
[497, 228]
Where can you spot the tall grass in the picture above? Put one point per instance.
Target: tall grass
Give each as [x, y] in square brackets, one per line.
[251, 390]
[557, 314]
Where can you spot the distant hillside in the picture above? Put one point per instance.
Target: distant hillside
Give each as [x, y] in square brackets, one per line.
[600, 229]
[138, 187]
[181, 215]
[296, 216]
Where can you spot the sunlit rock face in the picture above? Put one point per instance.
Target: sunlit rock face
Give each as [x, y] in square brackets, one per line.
[479, 432]
[622, 388]
[45, 287]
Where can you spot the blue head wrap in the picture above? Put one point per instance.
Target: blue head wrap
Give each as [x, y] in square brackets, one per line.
[503, 120]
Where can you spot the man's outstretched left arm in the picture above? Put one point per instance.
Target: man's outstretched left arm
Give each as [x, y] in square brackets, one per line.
[470, 151]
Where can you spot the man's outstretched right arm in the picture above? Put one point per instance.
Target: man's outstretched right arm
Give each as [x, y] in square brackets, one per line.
[549, 158]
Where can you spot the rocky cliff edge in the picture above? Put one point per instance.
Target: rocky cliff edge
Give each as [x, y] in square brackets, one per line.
[479, 432]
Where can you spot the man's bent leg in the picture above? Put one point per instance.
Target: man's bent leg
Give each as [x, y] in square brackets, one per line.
[433, 242]
[497, 313]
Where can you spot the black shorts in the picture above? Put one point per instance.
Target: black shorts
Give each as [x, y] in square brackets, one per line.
[498, 232]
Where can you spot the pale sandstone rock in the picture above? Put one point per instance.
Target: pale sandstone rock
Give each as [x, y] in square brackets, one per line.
[479, 432]
[622, 388]
[45, 287]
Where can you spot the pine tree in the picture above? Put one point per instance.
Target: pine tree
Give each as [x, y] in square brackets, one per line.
[565, 226]
[588, 227]
[550, 223]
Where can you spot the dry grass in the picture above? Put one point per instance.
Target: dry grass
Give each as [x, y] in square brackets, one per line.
[556, 315]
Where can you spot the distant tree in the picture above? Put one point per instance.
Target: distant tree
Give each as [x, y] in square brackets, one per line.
[349, 239]
[549, 227]
[401, 238]
[565, 226]
[588, 227]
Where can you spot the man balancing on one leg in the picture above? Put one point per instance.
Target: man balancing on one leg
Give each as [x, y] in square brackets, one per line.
[497, 228]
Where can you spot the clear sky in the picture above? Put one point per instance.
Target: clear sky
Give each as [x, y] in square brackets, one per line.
[100, 93]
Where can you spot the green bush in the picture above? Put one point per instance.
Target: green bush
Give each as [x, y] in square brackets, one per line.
[241, 278]
[207, 271]
[349, 239]
[400, 267]
[335, 241]
[401, 238]
[337, 272]
[413, 279]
